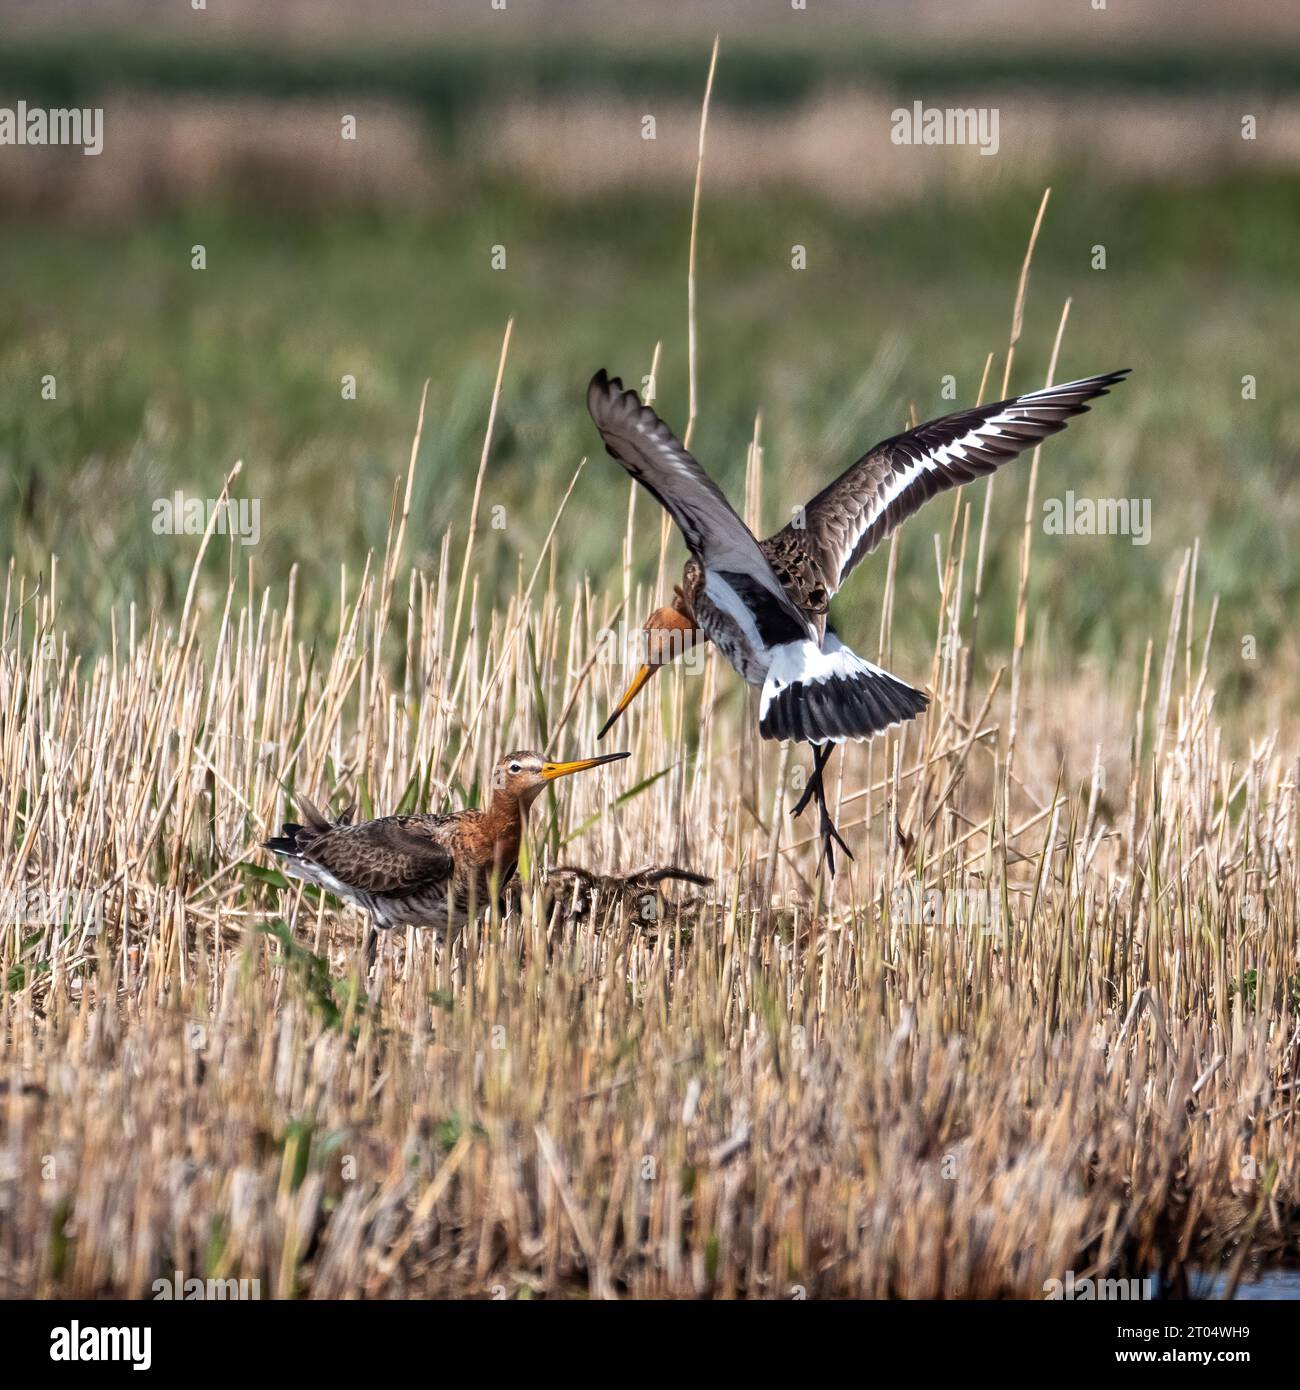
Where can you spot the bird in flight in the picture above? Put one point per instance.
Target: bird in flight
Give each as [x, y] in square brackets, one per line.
[429, 871]
[765, 604]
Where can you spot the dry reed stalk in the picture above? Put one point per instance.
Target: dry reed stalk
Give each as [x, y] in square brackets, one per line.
[1026, 550]
[691, 338]
[1017, 324]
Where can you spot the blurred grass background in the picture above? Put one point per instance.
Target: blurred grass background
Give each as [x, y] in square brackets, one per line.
[375, 260]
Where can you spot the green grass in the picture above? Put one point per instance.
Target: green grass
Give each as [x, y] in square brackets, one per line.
[767, 67]
[167, 375]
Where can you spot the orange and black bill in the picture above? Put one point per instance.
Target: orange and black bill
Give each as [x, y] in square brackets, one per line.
[550, 771]
[630, 694]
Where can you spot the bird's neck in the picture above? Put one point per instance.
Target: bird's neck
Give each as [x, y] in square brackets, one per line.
[504, 819]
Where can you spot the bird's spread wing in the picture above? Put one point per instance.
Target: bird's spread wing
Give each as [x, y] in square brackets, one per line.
[656, 458]
[396, 854]
[850, 517]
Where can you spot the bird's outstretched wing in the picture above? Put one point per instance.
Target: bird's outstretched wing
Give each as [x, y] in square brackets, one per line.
[396, 854]
[657, 459]
[851, 516]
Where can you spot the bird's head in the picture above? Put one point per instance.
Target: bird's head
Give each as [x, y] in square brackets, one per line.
[667, 633]
[523, 775]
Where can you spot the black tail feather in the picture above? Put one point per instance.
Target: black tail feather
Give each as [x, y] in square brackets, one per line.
[848, 707]
[287, 842]
[293, 838]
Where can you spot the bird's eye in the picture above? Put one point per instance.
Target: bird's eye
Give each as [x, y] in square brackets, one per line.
[514, 767]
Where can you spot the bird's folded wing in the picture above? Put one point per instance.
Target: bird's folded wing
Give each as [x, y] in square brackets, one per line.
[850, 517]
[396, 854]
[657, 459]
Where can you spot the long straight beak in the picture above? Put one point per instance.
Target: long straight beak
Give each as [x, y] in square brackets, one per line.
[550, 771]
[629, 695]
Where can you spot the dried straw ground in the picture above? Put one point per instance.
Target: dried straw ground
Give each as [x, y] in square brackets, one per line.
[1048, 1020]
[1075, 1049]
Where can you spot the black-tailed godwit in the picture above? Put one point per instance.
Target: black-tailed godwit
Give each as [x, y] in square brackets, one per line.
[425, 870]
[765, 603]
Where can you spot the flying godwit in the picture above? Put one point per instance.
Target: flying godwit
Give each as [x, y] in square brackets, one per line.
[428, 871]
[765, 603]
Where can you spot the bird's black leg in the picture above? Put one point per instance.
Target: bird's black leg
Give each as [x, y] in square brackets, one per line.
[830, 835]
[821, 753]
[816, 788]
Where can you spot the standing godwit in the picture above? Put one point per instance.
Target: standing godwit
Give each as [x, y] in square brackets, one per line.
[765, 603]
[429, 871]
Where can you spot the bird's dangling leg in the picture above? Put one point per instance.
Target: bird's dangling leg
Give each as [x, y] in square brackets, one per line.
[821, 755]
[816, 788]
[830, 835]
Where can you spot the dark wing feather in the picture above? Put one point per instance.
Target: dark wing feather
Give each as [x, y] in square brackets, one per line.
[396, 854]
[850, 517]
[657, 459]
